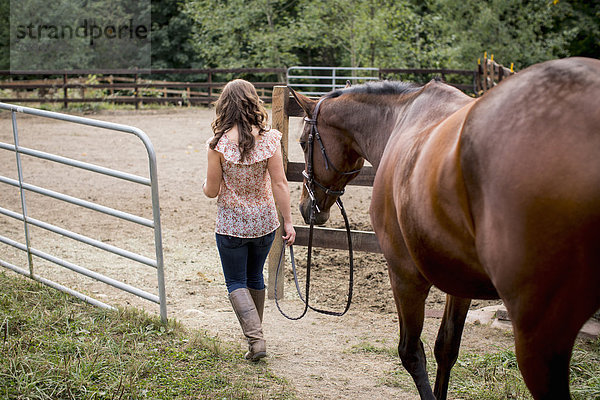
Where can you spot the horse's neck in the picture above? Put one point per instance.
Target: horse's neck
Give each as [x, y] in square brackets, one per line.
[371, 129]
[406, 118]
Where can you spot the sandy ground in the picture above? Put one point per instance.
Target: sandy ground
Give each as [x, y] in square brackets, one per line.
[322, 357]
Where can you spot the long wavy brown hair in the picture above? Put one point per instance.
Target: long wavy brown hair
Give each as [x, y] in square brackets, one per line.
[239, 105]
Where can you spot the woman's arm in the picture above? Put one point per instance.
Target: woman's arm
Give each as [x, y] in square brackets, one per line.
[281, 192]
[214, 174]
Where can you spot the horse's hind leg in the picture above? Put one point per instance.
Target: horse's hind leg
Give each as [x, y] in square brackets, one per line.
[548, 314]
[410, 302]
[543, 354]
[544, 339]
[448, 341]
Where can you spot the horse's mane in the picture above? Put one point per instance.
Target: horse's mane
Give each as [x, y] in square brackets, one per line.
[379, 88]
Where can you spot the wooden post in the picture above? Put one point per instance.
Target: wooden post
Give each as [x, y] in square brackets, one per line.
[486, 86]
[136, 92]
[500, 73]
[65, 91]
[280, 121]
[478, 78]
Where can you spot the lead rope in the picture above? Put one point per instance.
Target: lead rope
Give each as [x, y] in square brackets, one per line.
[308, 268]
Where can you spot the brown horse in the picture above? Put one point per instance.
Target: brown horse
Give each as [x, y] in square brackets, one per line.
[496, 197]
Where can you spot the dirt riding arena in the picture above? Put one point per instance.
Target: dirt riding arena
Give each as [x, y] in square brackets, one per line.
[322, 357]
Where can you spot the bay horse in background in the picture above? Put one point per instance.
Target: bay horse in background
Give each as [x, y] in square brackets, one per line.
[495, 197]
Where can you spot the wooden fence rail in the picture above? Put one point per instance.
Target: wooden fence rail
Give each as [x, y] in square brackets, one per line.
[170, 86]
[199, 86]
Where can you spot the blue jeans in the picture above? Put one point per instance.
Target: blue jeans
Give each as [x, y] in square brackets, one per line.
[243, 260]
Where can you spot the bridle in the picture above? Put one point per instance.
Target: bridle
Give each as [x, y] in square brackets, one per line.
[310, 184]
[309, 174]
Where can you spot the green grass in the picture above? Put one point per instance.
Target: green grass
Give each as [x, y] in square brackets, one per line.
[585, 370]
[490, 376]
[494, 375]
[53, 346]
[379, 348]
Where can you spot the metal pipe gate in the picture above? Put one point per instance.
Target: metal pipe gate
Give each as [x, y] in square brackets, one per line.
[327, 78]
[24, 187]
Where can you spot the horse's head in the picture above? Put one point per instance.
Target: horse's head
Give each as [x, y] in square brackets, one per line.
[330, 154]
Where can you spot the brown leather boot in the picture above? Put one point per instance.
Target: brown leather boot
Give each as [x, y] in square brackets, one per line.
[259, 300]
[249, 319]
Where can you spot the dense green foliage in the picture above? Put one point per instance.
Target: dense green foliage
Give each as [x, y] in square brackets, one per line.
[75, 34]
[385, 33]
[4, 34]
[361, 33]
[171, 37]
[53, 346]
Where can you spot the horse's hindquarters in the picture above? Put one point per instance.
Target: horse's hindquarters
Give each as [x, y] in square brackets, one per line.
[532, 174]
[529, 157]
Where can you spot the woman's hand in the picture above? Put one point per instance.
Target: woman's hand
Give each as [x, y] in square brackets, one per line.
[290, 233]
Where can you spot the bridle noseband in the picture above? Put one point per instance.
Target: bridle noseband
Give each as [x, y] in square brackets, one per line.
[308, 173]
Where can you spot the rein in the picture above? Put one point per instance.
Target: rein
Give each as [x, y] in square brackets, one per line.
[310, 185]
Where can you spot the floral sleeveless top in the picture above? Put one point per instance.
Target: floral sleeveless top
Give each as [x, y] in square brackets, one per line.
[245, 206]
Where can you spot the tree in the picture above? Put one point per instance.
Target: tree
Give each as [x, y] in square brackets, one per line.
[4, 34]
[340, 32]
[239, 33]
[582, 18]
[348, 33]
[519, 31]
[172, 30]
[80, 34]
[356, 33]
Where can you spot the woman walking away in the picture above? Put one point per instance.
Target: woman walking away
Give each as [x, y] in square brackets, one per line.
[245, 171]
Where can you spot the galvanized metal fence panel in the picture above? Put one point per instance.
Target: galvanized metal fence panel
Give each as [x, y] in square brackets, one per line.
[316, 81]
[28, 221]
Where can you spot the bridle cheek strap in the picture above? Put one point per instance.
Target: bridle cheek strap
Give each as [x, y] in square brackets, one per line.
[309, 172]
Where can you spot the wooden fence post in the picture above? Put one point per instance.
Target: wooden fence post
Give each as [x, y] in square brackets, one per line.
[281, 123]
[489, 73]
[478, 81]
[486, 82]
[136, 93]
[111, 80]
[493, 75]
[65, 91]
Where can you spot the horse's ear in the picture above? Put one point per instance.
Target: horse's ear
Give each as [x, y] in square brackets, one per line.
[307, 104]
[348, 84]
